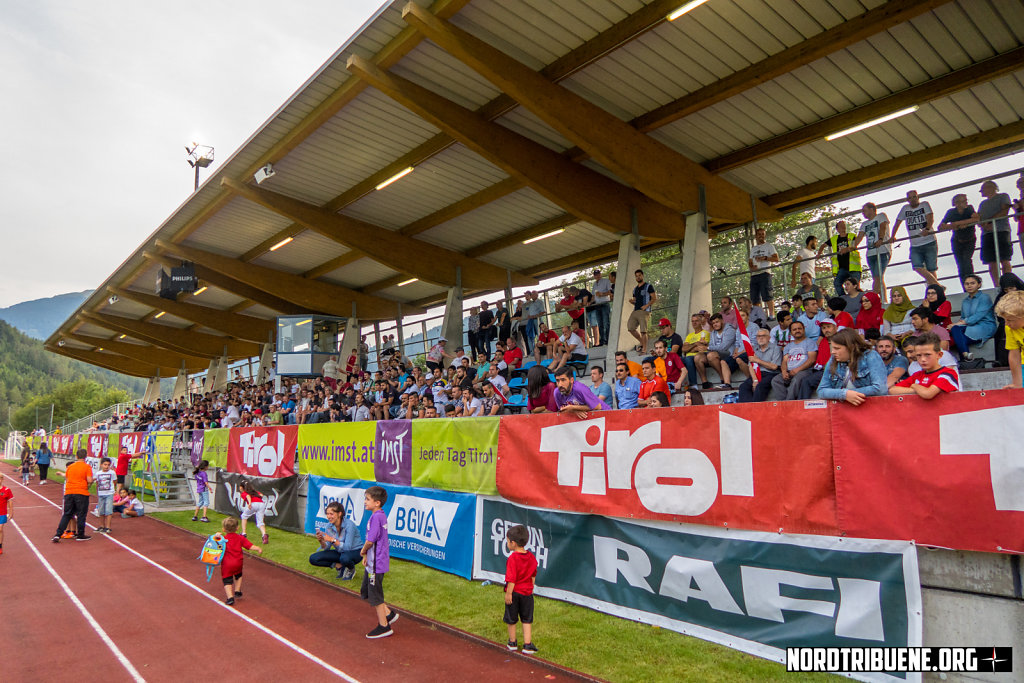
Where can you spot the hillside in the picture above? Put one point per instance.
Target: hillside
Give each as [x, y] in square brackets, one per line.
[40, 317]
[30, 375]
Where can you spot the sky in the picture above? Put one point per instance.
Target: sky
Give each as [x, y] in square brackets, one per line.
[100, 99]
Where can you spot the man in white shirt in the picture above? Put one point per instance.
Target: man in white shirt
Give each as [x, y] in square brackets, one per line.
[875, 229]
[924, 248]
[572, 348]
[762, 257]
[599, 313]
[330, 371]
[806, 257]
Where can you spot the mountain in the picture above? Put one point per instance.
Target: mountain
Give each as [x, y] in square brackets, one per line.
[31, 376]
[40, 317]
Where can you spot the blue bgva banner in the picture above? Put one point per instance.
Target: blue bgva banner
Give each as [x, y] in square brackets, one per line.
[752, 591]
[434, 528]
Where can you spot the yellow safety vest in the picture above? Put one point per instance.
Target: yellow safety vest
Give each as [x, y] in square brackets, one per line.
[854, 255]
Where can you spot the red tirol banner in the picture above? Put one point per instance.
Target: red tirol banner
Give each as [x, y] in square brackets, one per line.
[947, 472]
[263, 451]
[749, 466]
[133, 442]
[97, 447]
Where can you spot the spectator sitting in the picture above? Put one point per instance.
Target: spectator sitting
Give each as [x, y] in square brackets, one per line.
[575, 397]
[779, 334]
[513, 354]
[540, 391]
[895, 364]
[652, 382]
[755, 314]
[627, 388]
[946, 359]
[1011, 309]
[933, 378]
[797, 357]
[810, 318]
[692, 397]
[696, 343]
[728, 312]
[634, 368]
[670, 366]
[854, 372]
[925, 321]
[658, 400]
[133, 507]
[806, 287]
[935, 301]
[768, 357]
[896, 319]
[597, 385]
[545, 344]
[1007, 283]
[807, 383]
[491, 402]
[719, 355]
[977, 321]
[870, 316]
[472, 406]
[852, 294]
[673, 342]
[573, 348]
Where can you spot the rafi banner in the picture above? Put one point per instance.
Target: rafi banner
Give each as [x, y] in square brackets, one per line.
[281, 496]
[752, 591]
[188, 445]
[263, 451]
[339, 450]
[133, 442]
[746, 466]
[215, 447]
[434, 528]
[456, 455]
[97, 447]
[952, 477]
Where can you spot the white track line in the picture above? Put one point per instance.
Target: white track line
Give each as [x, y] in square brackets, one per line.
[81, 608]
[273, 634]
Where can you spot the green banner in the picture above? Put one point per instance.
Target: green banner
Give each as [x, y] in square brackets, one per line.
[754, 591]
[455, 454]
[215, 447]
[339, 450]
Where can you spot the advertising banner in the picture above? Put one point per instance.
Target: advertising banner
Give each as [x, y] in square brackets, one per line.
[188, 445]
[339, 450]
[953, 476]
[263, 451]
[753, 591]
[215, 447]
[97, 445]
[133, 442]
[281, 496]
[751, 466]
[434, 528]
[456, 455]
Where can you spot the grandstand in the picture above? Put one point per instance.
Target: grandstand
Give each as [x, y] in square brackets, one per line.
[471, 149]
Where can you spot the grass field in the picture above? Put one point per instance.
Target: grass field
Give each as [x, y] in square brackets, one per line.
[576, 637]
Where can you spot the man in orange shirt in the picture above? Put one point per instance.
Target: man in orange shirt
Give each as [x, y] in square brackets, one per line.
[77, 479]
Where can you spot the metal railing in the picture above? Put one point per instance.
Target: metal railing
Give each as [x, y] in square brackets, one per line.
[84, 423]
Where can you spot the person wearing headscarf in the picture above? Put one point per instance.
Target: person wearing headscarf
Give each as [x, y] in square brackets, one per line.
[1007, 283]
[870, 315]
[935, 301]
[896, 319]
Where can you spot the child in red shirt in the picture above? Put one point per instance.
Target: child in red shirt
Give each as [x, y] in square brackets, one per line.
[231, 565]
[932, 379]
[5, 497]
[520, 575]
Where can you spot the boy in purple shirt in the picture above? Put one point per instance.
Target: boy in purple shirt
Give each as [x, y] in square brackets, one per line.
[573, 396]
[376, 559]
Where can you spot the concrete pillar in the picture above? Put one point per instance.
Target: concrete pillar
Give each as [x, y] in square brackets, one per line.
[211, 374]
[152, 391]
[180, 385]
[266, 359]
[451, 324]
[629, 261]
[350, 346]
[217, 375]
[694, 273]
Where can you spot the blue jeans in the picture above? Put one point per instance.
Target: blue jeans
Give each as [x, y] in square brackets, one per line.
[691, 370]
[348, 559]
[878, 263]
[925, 256]
[960, 338]
[751, 394]
[600, 315]
[841, 276]
[530, 334]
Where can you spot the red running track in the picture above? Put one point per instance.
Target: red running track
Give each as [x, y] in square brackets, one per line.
[146, 591]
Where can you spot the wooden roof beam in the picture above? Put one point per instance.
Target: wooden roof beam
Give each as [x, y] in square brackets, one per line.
[144, 354]
[647, 164]
[419, 259]
[311, 294]
[114, 362]
[578, 190]
[231, 324]
[841, 36]
[958, 80]
[184, 342]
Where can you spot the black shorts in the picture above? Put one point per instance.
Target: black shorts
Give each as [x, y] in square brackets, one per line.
[521, 609]
[372, 590]
[431, 365]
[578, 358]
[761, 287]
[988, 247]
[228, 580]
[120, 479]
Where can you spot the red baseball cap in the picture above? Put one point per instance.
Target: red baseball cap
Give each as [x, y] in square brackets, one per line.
[664, 322]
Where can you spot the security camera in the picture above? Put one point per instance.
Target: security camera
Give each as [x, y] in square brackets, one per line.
[264, 173]
[112, 300]
[60, 343]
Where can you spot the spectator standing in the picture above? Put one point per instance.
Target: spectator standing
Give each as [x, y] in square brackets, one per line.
[43, 456]
[376, 555]
[762, 257]
[1018, 208]
[486, 333]
[502, 322]
[517, 324]
[77, 479]
[768, 356]
[875, 230]
[520, 576]
[584, 301]
[896, 319]
[601, 311]
[996, 244]
[330, 372]
[643, 300]
[601, 389]
[853, 372]
[844, 255]
[364, 353]
[532, 314]
[806, 257]
[437, 354]
[797, 357]
[961, 220]
[977, 321]
[473, 325]
[627, 388]
[924, 248]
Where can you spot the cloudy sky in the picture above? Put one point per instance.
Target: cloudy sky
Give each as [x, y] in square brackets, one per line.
[99, 100]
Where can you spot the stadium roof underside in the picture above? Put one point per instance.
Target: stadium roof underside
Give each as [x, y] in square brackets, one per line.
[521, 117]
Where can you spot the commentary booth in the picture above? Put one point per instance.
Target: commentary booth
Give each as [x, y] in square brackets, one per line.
[304, 343]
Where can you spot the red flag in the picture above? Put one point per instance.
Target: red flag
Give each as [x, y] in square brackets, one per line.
[747, 346]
